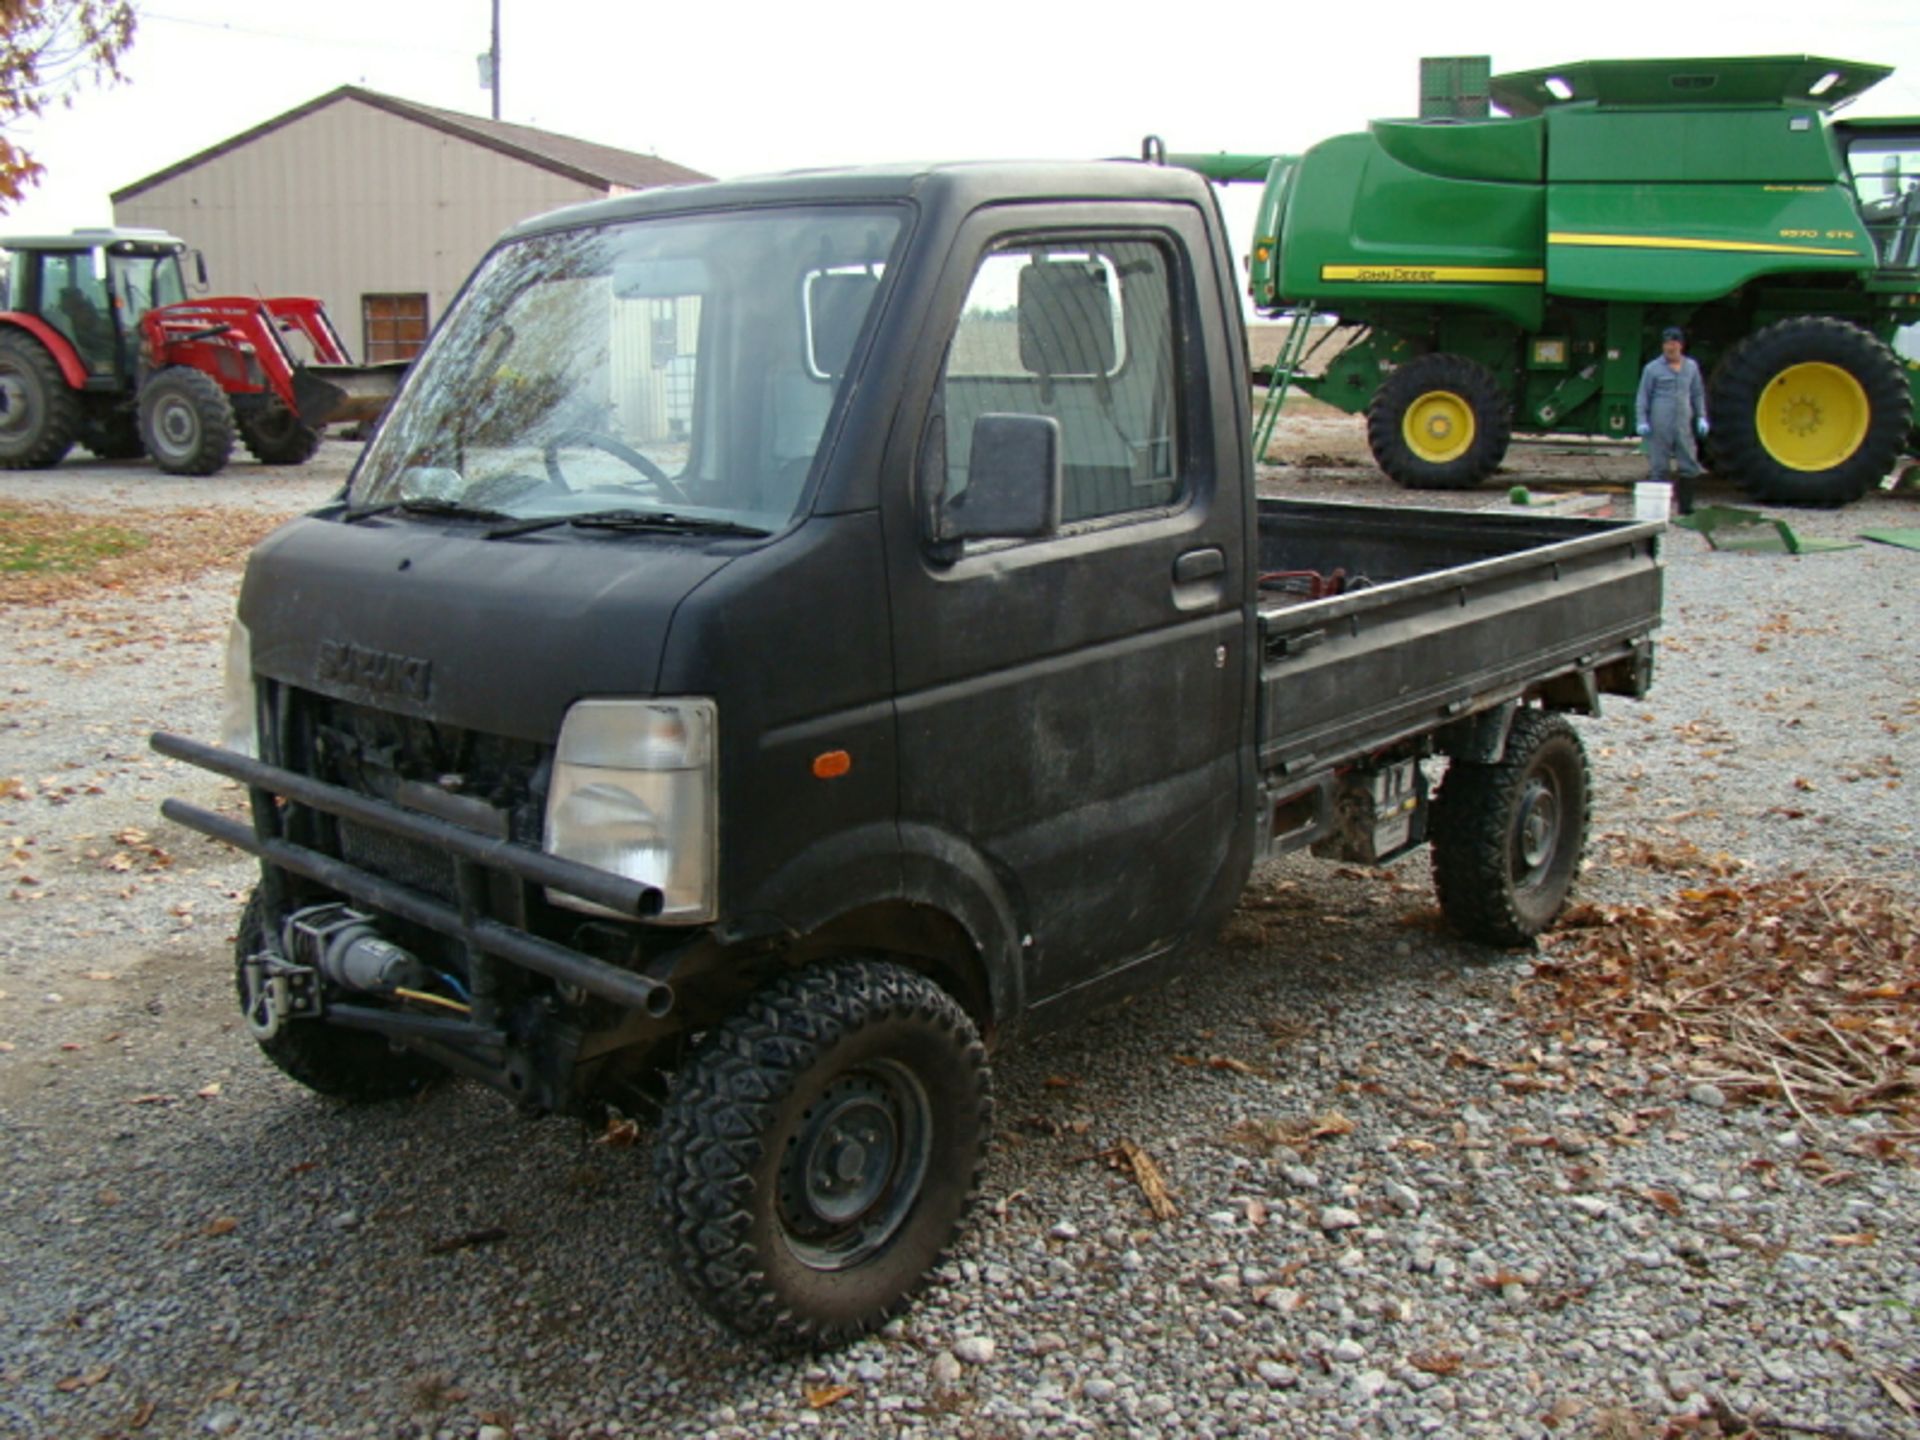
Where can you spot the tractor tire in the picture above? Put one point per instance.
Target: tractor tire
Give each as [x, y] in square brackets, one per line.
[39, 413]
[1439, 422]
[1809, 411]
[186, 422]
[112, 435]
[1507, 838]
[819, 1149]
[351, 1065]
[274, 435]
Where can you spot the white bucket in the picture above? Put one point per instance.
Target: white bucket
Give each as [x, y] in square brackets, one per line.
[1652, 500]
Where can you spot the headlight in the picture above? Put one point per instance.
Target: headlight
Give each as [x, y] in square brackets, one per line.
[239, 714]
[634, 792]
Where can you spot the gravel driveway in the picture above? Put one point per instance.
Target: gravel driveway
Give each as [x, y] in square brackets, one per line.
[1399, 1209]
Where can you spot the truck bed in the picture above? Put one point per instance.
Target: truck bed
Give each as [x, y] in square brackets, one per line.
[1446, 613]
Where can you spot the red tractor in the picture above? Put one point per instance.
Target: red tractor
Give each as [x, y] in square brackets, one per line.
[99, 344]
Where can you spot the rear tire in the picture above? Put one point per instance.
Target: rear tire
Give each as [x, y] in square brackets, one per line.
[820, 1148]
[1439, 422]
[186, 422]
[39, 414]
[274, 435]
[1507, 838]
[1809, 411]
[350, 1065]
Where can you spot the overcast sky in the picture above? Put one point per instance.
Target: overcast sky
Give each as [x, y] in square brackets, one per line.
[744, 87]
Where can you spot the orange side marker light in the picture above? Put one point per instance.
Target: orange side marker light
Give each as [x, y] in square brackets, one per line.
[831, 764]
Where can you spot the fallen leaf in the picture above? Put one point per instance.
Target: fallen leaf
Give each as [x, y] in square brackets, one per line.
[1147, 1176]
[151, 1100]
[84, 1381]
[827, 1395]
[142, 1415]
[208, 1091]
[1897, 1392]
[1861, 1238]
[1437, 1362]
[220, 1225]
[619, 1134]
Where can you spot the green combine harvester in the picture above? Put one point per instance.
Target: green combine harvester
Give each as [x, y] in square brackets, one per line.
[1511, 274]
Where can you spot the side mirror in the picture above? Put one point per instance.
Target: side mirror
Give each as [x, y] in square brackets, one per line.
[1013, 482]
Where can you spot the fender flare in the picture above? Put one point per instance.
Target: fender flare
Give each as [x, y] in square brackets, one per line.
[57, 345]
[885, 863]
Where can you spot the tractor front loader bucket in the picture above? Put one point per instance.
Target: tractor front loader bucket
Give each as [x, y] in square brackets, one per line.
[344, 394]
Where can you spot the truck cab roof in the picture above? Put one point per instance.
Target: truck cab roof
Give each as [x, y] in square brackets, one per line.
[962, 185]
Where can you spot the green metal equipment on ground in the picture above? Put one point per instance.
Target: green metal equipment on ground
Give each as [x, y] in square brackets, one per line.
[1511, 274]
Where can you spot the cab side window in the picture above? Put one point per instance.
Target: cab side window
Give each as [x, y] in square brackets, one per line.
[1080, 330]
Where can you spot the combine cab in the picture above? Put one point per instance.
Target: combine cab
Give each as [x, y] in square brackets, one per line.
[100, 345]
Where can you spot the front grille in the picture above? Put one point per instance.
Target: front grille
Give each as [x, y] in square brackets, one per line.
[408, 862]
[488, 783]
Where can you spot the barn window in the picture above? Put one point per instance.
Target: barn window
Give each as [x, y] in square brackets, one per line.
[395, 326]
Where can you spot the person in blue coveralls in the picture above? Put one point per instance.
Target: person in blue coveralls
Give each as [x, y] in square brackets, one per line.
[1671, 409]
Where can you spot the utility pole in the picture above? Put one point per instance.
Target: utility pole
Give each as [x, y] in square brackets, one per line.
[494, 56]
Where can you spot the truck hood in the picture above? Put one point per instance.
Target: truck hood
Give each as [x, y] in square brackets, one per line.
[428, 618]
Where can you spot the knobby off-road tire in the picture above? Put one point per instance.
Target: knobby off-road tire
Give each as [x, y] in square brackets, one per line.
[350, 1065]
[819, 1149]
[186, 422]
[274, 435]
[1507, 838]
[112, 435]
[1439, 422]
[1809, 411]
[39, 415]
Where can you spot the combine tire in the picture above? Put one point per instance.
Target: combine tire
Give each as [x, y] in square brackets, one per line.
[39, 415]
[186, 422]
[1439, 423]
[1809, 411]
[819, 1149]
[275, 436]
[350, 1065]
[114, 435]
[1507, 838]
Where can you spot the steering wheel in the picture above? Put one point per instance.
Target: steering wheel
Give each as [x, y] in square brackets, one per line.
[620, 450]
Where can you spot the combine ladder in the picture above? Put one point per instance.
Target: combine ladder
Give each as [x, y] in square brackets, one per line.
[1300, 324]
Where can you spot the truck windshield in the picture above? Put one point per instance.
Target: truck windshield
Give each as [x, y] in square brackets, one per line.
[684, 365]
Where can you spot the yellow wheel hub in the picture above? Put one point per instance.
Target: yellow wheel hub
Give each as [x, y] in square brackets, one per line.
[1438, 427]
[1812, 416]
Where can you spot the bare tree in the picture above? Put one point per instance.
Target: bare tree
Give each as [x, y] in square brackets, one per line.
[49, 51]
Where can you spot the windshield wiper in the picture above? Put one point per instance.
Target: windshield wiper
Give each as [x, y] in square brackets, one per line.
[428, 507]
[658, 521]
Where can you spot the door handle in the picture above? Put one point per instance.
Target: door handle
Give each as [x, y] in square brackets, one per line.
[1199, 565]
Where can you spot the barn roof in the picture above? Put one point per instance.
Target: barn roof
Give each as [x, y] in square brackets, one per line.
[580, 160]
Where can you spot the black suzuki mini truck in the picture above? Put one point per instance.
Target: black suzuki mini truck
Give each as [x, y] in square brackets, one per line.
[792, 637]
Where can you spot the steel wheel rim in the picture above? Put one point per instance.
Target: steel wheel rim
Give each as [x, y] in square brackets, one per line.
[176, 425]
[854, 1166]
[1438, 427]
[1536, 831]
[1812, 416]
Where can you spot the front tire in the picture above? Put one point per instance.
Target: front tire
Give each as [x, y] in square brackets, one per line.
[39, 414]
[350, 1065]
[1507, 838]
[186, 422]
[1439, 422]
[274, 435]
[1809, 411]
[820, 1148]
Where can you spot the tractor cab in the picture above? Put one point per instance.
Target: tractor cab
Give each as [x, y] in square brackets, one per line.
[93, 286]
[1883, 162]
